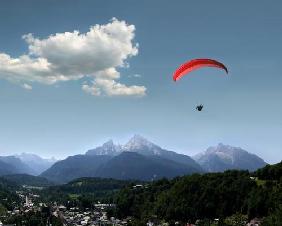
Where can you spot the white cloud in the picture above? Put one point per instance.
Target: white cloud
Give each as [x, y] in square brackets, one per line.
[112, 88]
[27, 86]
[67, 56]
[105, 84]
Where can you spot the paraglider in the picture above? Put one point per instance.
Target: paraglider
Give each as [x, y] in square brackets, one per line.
[196, 64]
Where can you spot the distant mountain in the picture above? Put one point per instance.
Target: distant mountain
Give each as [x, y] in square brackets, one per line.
[74, 167]
[6, 168]
[142, 146]
[143, 160]
[223, 157]
[25, 179]
[35, 162]
[16, 165]
[137, 159]
[132, 165]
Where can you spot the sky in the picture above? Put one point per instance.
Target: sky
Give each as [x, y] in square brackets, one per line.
[74, 74]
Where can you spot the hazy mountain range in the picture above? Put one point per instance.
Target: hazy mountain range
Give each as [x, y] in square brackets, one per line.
[143, 160]
[36, 163]
[24, 164]
[137, 159]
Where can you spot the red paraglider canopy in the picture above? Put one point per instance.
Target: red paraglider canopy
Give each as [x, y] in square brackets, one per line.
[195, 64]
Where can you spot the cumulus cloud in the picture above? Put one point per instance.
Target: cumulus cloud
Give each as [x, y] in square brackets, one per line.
[67, 56]
[104, 83]
[113, 88]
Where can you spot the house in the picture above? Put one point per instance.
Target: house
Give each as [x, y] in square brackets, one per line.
[255, 222]
[138, 186]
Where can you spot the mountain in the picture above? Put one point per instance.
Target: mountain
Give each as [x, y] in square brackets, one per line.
[74, 167]
[223, 157]
[35, 162]
[144, 147]
[108, 148]
[137, 159]
[132, 165]
[25, 179]
[16, 165]
[6, 168]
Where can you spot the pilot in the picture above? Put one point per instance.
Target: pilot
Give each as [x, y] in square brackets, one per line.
[199, 107]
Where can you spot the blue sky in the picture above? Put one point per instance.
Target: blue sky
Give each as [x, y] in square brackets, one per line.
[58, 117]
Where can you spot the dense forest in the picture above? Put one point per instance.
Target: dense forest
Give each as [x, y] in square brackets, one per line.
[84, 192]
[8, 197]
[208, 196]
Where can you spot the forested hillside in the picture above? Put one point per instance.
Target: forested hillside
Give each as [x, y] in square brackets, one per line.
[209, 196]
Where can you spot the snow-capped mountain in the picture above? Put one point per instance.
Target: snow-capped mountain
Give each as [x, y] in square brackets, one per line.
[223, 157]
[137, 159]
[142, 146]
[108, 148]
[143, 160]
[136, 144]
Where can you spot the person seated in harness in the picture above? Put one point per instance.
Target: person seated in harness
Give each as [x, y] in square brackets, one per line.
[200, 107]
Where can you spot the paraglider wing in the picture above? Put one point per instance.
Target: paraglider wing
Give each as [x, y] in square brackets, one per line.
[195, 64]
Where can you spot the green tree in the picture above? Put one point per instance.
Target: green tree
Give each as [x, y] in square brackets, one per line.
[236, 220]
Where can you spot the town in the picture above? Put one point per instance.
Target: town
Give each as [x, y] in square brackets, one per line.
[31, 204]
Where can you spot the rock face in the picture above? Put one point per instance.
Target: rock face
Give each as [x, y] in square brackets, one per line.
[108, 148]
[223, 157]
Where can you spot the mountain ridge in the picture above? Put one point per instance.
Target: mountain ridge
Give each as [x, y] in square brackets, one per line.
[131, 160]
[142, 146]
[223, 157]
[120, 157]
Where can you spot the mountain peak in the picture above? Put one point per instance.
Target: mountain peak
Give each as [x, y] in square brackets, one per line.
[109, 144]
[138, 138]
[223, 157]
[138, 142]
[224, 149]
[108, 148]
